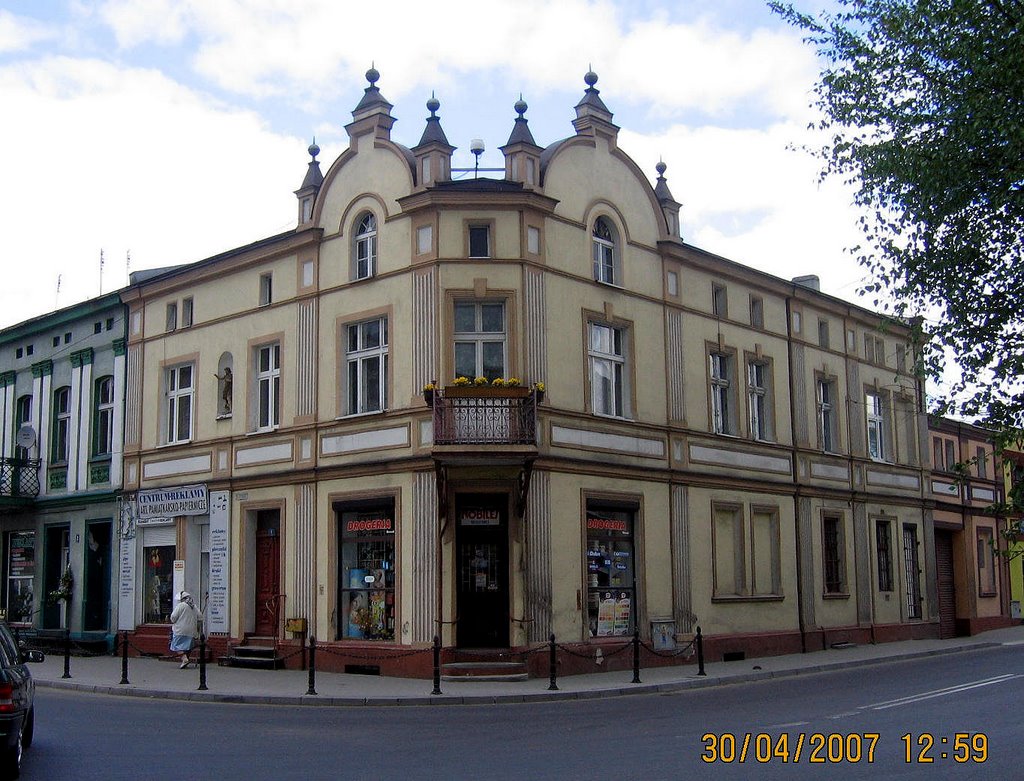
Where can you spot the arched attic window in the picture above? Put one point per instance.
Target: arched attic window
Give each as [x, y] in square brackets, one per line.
[606, 253]
[364, 255]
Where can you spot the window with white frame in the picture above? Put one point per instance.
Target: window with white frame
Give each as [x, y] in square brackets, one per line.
[607, 350]
[266, 289]
[833, 558]
[759, 396]
[364, 259]
[103, 417]
[828, 416]
[480, 335]
[604, 252]
[366, 366]
[268, 387]
[22, 417]
[61, 424]
[722, 414]
[875, 416]
[179, 389]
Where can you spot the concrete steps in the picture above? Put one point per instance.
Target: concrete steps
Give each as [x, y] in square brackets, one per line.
[255, 654]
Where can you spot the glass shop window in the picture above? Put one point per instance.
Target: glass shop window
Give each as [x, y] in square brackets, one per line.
[367, 577]
[159, 583]
[611, 584]
[21, 571]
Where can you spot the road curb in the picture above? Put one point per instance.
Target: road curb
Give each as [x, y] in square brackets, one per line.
[671, 687]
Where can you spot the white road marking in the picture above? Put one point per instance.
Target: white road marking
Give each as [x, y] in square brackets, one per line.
[940, 692]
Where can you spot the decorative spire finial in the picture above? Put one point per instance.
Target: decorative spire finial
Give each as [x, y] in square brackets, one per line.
[372, 75]
[433, 105]
[313, 149]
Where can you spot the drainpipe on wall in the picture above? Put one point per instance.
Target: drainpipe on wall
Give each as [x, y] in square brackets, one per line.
[796, 483]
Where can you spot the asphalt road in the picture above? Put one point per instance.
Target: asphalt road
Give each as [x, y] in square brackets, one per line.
[853, 721]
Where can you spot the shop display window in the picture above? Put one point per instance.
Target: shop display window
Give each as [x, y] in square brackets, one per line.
[367, 575]
[611, 584]
[21, 570]
[159, 583]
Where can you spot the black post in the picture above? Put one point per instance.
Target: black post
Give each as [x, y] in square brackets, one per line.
[124, 657]
[553, 663]
[437, 665]
[311, 689]
[700, 653]
[636, 656]
[67, 654]
[202, 662]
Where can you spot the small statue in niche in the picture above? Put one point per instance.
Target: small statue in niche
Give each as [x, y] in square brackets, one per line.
[226, 390]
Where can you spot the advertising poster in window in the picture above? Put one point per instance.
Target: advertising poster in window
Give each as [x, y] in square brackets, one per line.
[367, 578]
[610, 572]
[21, 570]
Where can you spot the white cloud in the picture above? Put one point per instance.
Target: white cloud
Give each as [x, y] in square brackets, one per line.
[19, 33]
[126, 159]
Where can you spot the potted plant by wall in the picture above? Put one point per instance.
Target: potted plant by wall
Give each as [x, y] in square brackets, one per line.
[481, 387]
[428, 393]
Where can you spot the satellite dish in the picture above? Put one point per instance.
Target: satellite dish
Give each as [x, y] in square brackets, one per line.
[26, 436]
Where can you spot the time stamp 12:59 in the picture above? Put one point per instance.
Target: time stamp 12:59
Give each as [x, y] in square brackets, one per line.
[835, 747]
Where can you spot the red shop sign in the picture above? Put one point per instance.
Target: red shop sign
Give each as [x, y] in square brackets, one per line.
[369, 525]
[607, 524]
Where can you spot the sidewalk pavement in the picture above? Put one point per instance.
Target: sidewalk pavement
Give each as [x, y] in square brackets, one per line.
[163, 679]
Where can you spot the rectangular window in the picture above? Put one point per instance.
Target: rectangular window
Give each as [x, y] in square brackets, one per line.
[307, 209]
[266, 289]
[757, 311]
[729, 557]
[759, 397]
[951, 459]
[880, 352]
[828, 428]
[103, 437]
[851, 341]
[479, 241]
[158, 583]
[982, 462]
[765, 552]
[425, 171]
[21, 572]
[607, 370]
[424, 239]
[480, 335]
[986, 562]
[673, 283]
[268, 387]
[913, 570]
[876, 426]
[937, 460]
[823, 334]
[186, 312]
[22, 415]
[533, 240]
[797, 322]
[366, 362]
[832, 559]
[719, 301]
[901, 357]
[869, 348]
[611, 584]
[61, 425]
[366, 582]
[179, 389]
[721, 370]
[883, 554]
[172, 317]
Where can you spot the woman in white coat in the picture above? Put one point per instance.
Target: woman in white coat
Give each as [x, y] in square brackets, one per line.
[184, 627]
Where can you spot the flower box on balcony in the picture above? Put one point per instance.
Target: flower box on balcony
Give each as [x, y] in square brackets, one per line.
[484, 392]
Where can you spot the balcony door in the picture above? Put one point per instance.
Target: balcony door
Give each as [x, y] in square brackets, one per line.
[482, 593]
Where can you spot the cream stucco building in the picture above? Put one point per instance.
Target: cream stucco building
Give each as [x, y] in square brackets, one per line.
[713, 445]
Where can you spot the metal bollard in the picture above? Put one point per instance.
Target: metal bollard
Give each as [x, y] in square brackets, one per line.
[311, 689]
[124, 657]
[553, 664]
[636, 656]
[437, 665]
[67, 654]
[202, 662]
[700, 653]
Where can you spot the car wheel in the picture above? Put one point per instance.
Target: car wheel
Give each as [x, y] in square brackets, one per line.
[11, 767]
[30, 728]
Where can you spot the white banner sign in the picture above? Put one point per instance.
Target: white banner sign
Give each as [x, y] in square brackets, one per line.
[170, 502]
[217, 616]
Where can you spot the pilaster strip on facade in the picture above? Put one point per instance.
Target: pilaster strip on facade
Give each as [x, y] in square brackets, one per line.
[424, 318]
[306, 358]
[677, 409]
[536, 327]
[862, 562]
[302, 603]
[133, 402]
[424, 556]
[538, 557]
[682, 596]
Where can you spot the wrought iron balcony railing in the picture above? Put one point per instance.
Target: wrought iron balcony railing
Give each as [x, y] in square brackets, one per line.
[485, 416]
[19, 477]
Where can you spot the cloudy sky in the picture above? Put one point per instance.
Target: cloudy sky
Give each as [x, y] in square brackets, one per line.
[171, 130]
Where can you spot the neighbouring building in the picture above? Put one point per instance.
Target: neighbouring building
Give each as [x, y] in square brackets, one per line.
[62, 382]
[688, 441]
[971, 572]
[1013, 477]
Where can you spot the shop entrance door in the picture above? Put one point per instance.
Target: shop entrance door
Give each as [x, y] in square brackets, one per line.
[482, 571]
[268, 572]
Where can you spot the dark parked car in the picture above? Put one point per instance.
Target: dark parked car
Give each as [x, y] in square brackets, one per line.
[17, 718]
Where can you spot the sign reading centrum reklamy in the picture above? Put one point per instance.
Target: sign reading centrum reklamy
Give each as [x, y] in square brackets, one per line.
[169, 502]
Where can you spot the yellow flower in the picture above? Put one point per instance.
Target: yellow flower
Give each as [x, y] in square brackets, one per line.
[480, 381]
[461, 381]
[538, 386]
[513, 382]
[429, 387]
[498, 382]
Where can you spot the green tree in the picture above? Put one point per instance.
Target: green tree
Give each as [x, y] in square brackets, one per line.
[922, 111]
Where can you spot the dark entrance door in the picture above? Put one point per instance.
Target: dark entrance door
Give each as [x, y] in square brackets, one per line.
[268, 571]
[946, 583]
[96, 616]
[57, 557]
[482, 570]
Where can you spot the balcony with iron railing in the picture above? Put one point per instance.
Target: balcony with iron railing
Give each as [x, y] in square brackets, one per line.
[485, 417]
[19, 479]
